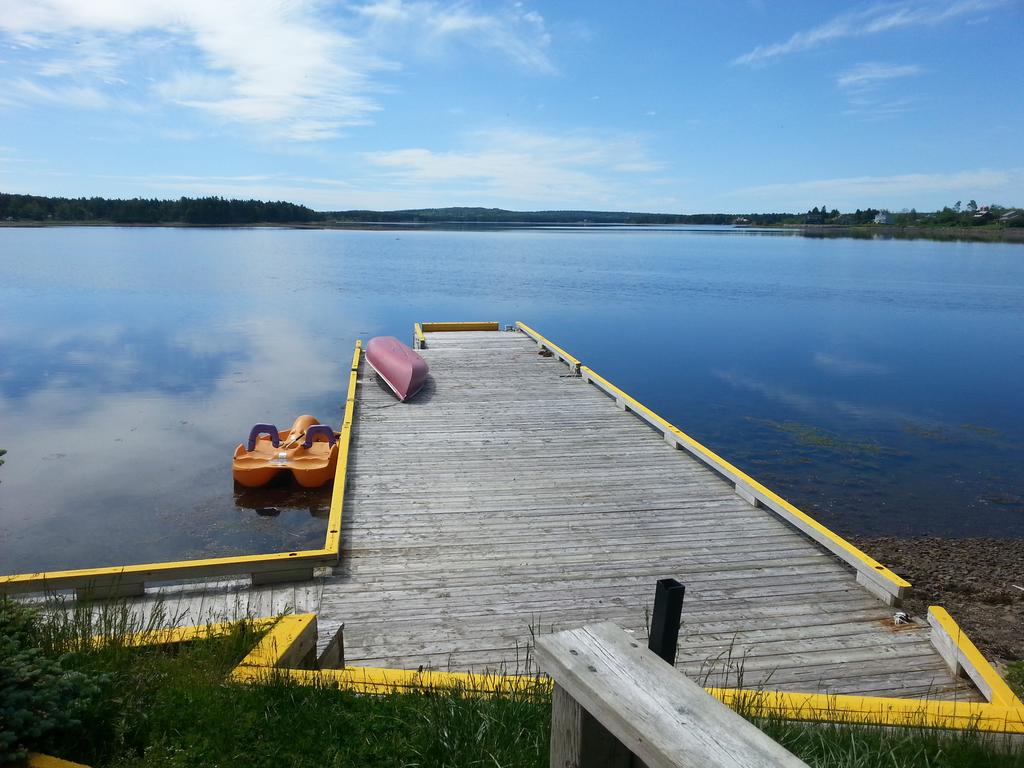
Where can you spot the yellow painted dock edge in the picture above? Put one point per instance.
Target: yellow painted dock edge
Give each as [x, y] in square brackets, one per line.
[472, 326]
[951, 642]
[963, 657]
[37, 760]
[290, 639]
[565, 357]
[332, 543]
[419, 341]
[875, 711]
[113, 580]
[892, 584]
[876, 576]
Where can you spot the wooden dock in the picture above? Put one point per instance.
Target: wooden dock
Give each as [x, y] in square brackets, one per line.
[512, 498]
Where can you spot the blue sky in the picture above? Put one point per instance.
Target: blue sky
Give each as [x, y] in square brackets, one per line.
[664, 106]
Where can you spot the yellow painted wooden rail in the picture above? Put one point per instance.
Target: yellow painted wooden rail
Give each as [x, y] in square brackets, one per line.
[122, 580]
[964, 658]
[471, 326]
[870, 573]
[419, 341]
[565, 357]
[953, 645]
[37, 760]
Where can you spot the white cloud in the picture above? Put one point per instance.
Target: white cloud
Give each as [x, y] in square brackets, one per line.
[273, 64]
[872, 73]
[518, 35]
[917, 189]
[525, 166]
[86, 97]
[869, 86]
[297, 70]
[873, 110]
[876, 19]
[501, 168]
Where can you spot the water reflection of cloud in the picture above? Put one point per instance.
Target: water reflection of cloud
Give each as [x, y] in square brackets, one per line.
[819, 405]
[152, 437]
[126, 360]
[795, 400]
[848, 366]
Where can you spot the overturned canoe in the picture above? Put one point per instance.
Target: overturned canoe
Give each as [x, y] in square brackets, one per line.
[401, 368]
[309, 450]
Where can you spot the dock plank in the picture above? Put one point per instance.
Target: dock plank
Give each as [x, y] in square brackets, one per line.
[511, 499]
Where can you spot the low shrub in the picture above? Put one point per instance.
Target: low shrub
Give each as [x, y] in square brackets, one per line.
[39, 695]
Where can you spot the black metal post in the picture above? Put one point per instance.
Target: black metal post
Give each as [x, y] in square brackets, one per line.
[668, 607]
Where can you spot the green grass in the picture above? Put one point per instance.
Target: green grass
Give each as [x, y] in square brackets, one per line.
[1015, 677]
[172, 707]
[169, 707]
[845, 746]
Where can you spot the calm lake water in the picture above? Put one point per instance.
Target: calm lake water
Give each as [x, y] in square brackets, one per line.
[877, 384]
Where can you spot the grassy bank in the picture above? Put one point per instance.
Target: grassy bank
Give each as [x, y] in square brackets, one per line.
[162, 707]
[171, 707]
[986, 233]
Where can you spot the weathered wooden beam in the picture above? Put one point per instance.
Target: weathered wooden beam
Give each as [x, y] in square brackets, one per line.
[577, 739]
[333, 656]
[279, 577]
[655, 712]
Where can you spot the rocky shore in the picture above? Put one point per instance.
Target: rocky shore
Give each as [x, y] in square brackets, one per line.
[979, 581]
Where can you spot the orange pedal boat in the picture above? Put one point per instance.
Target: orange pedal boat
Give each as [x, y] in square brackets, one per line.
[309, 449]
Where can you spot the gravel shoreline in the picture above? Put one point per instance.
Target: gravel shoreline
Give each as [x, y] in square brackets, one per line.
[976, 580]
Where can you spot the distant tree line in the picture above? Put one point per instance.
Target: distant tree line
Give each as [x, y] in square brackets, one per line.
[973, 215]
[959, 215]
[218, 210]
[185, 210]
[214, 211]
[502, 216]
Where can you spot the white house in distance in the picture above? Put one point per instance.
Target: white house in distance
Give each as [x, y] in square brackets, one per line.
[883, 217]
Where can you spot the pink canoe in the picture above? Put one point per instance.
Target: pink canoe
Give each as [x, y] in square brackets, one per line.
[401, 369]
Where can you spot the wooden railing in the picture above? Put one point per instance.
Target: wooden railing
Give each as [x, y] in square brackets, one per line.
[871, 574]
[616, 704]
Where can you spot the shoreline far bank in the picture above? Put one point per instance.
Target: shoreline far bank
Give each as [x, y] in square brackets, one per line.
[866, 232]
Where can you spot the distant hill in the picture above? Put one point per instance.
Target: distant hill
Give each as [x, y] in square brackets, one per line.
[221, 211]
[502, 216]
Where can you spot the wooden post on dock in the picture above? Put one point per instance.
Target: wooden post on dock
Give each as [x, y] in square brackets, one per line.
[668, 609]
